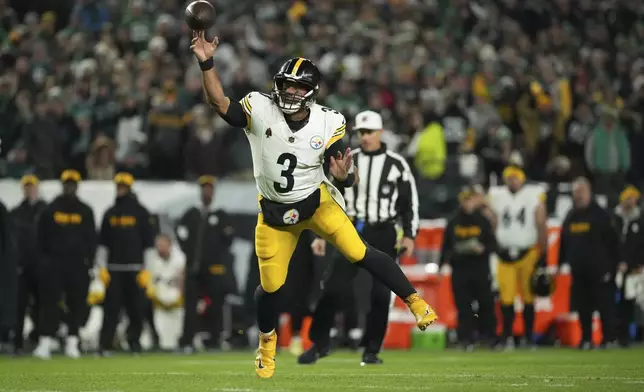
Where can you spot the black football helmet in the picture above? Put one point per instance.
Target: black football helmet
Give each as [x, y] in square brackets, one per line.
[300, 71]
[543, 285]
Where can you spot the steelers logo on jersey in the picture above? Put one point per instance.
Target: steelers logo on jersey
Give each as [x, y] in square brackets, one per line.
[291, 217]
[317, 142]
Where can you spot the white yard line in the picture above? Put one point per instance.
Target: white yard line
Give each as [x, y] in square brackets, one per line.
[340, 373]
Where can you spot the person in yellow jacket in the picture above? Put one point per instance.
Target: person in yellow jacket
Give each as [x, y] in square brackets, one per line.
[431, 151]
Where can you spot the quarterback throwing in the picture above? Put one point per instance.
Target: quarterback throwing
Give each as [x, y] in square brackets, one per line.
[291, 137]
[521, 233]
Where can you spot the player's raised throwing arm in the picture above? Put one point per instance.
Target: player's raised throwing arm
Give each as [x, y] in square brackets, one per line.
[229, 110]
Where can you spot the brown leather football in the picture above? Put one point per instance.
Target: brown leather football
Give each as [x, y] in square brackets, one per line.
[200, 15]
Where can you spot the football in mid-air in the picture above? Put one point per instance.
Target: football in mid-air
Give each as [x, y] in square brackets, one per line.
[200, 15]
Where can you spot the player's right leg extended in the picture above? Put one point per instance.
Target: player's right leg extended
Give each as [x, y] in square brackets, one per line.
[332, 224]
[274, 248]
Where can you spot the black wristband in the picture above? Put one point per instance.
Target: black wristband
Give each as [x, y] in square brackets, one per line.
[206, 65]
[348, 182]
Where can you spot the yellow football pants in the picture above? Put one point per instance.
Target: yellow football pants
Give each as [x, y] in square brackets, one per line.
[515, 278]
[275, 245]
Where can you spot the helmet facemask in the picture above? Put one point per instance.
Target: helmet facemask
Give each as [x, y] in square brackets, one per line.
[288, 102]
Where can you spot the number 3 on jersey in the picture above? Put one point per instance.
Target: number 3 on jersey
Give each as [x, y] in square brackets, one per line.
[508, 218]
[291, 161]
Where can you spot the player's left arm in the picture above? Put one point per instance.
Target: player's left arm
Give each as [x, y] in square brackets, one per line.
[336, 148]
[541, 220]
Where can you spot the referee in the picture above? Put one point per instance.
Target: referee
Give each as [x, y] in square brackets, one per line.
[385, 195]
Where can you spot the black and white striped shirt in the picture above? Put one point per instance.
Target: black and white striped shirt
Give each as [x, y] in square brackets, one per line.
[386, 191]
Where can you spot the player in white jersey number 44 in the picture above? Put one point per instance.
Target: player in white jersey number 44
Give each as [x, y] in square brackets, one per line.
[522, 238]
[291, 137]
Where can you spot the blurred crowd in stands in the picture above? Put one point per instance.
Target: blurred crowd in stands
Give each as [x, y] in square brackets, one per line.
[464, 86]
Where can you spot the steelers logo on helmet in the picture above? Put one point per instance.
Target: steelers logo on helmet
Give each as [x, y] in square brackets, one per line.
[296, 85]
[291, 217]
[317, 142]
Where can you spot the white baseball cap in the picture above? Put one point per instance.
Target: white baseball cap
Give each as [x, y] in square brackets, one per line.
[368, 120]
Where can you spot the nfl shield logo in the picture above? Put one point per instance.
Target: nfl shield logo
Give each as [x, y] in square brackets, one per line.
[291, 217]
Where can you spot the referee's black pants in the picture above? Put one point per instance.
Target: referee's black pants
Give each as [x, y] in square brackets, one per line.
[383, 238]
[63, 282]
[123, 291]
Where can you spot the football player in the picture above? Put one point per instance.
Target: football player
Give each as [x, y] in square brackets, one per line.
[522, 234]
[290, 137]
[166, 264]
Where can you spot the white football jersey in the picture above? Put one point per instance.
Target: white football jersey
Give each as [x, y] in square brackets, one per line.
[288, 165]
[515, 212]
[165, 273]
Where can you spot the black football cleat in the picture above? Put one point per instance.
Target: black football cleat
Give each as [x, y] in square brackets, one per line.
[371, 359]
[311, 356]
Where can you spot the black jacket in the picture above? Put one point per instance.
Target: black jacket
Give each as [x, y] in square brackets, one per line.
[127, 230]
[461, 232]
[630, 227]
[66, 231]
[589, 240]
[205, 237]
[25, 220]
[8, 272]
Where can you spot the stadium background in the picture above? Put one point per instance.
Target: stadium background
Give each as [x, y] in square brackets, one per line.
[107, 86]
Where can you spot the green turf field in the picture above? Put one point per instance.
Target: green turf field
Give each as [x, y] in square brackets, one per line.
[544, 370]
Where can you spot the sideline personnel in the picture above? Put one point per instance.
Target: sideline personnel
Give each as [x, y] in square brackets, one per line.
[25, 219]
[522, 237]
[205, 236]
[67, 240]
[630, 224]
[385, 195]
[468, 242]
[126, 234]
[590, 245]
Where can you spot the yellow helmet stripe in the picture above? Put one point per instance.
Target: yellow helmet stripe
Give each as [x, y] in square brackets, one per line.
[296, 66]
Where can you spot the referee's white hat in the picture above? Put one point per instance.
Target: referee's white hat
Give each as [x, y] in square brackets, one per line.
[368, 120]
